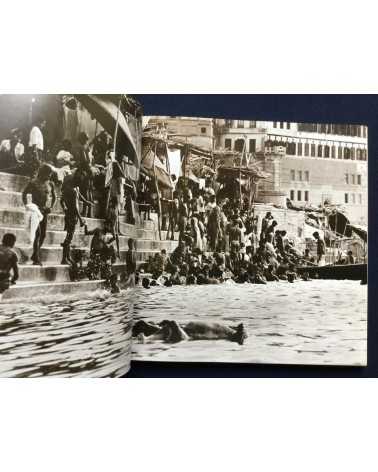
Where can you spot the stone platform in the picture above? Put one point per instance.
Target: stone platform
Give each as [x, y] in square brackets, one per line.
[53, 277]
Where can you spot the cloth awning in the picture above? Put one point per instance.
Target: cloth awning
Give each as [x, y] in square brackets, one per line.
[105, 111]
[360, 231]
[161, 172]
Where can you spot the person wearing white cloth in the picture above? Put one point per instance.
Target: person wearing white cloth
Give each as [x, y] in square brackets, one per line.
[36, 137]
[33, 217]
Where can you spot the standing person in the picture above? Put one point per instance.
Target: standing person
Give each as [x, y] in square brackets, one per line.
[264, 225]
[174, 217]
[112, 221]
[8, 263]
[183, 218]
[201, 206]
[320, 249]
[130, 263]
[36, 140]
[114, 180]
[196, 233]
[32, 217]
[69, 201]
[43, 194]
[271, 230]
[84, 172]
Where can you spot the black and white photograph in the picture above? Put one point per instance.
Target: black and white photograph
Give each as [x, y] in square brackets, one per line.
[177, 239]
[265, 226]
[69, 165]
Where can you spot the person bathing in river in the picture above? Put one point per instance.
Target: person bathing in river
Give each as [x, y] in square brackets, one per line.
[173, 332]
[8, 263]
[102, 254]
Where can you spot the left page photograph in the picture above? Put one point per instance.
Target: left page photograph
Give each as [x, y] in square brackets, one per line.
[68, 230]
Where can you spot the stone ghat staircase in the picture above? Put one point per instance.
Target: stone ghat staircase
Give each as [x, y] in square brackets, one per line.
[53, 278]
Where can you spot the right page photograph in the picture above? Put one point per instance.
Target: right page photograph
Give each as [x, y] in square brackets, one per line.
[263, 253]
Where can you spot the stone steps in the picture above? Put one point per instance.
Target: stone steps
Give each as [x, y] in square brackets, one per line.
[10, 217]
[25, 291]
[52, 255]
[55, 238]
[53, 278]
[13, 182]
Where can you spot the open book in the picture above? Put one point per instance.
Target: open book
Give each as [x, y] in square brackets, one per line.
[129, 237]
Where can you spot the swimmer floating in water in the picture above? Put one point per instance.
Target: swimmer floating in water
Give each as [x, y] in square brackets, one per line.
[172, 332]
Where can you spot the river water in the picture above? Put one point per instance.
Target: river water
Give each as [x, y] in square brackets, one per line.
[315, 322]
[66, 337]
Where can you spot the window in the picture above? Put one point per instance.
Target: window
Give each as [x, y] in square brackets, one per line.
[312, 150]
[364, 131]
[320, 150]
[240, 123]
[287, 125]
[352, 154]
[353, 179]
[228, 143]
[353, 198]
[299, 195]
[274, 124]
[333, 152]
[252, 124]
[340, 152]
[306, 195]
[281, 124]
[292, 194]
[346, 198]
[358, 179]
[291, 148]
[252, 145]
[228, 123]
[347, 178]
[307, 176]
[292, 175]
[300, 176]
[358, 154]
[326, 151]
[239, 145]
[307, 149]
[346, 153]
[203, 130]
[299, 149]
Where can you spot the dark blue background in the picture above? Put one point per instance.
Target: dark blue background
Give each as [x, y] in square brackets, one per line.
[352, 109]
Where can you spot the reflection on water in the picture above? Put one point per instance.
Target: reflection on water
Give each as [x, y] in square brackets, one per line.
[66, 337]
[317, 322]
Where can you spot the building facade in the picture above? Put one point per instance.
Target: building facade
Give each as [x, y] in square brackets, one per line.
[309, 163]
[196, 131]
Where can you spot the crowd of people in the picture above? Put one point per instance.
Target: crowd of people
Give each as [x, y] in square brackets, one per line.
[216, 229]
[219, 241]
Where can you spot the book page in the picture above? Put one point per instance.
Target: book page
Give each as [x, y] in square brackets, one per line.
[69, 224]
[263, 242]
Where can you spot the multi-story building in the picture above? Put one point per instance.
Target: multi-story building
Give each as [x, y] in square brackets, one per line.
[196, 131]
[309, 163]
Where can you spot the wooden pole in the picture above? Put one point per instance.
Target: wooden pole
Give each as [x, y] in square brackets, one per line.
[157, 192]
[116, 127]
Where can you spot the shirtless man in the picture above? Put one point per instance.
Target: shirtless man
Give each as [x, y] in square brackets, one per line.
[172, 332]
[8, 263]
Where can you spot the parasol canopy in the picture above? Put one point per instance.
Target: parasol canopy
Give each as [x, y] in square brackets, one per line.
[105, 109]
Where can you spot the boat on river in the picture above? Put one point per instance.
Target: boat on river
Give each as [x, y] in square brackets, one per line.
[336, 271]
